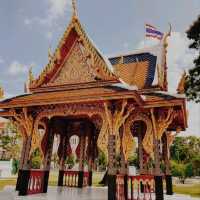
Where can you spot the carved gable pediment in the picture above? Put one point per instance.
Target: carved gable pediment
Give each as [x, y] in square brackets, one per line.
[75, 61]
[77, 68]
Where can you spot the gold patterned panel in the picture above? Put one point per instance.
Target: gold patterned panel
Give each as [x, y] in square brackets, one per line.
[133, 73]
[163, 121]
[128, 145]
[102, 141]
[112, 122]
[98, 62]
[1, 93]
[76, 69]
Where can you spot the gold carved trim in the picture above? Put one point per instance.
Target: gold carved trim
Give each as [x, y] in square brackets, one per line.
[97, 59]
[112, 122]
[128, 141]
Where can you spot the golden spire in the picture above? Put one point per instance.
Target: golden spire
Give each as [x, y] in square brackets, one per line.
[30, 73]
[49, 53]
[181, 85]
[74, 7]
[1, 93]
[168, 34]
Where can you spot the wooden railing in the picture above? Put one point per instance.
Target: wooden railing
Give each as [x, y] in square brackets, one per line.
[140, 187]
[120, 188]
[70, 178]
[85, 179]
[35, 184]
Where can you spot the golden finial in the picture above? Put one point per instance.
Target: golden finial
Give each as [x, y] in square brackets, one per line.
[167, 35]
[1, 93]
[181, 85]
[30, 73]
[49, 53]
[74, 8]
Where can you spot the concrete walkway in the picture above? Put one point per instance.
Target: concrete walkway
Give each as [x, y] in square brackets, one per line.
[60, 193]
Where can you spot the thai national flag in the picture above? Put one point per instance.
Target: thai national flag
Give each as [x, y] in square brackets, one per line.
[152, 32]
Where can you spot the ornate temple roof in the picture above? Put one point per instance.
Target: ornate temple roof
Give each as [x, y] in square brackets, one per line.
[75, 61]
[78, 63]
[78, 72]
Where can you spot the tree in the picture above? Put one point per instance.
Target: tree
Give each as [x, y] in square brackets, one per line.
[185, 157]
[196, 165]
[192, 85]
[9, 141]
[184, 149]
[182, 171]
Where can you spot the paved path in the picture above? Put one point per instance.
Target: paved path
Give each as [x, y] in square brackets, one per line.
[56, 193]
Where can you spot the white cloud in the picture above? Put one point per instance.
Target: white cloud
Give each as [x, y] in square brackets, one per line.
[1, 60]
[55, 10]
[180, 58]
[193, 119]
[17, 68]
[125, 45]
[49, 35]
[28, 21]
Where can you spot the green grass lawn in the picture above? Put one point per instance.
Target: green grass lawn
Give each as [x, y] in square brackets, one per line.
[5, 182]
[192, 190]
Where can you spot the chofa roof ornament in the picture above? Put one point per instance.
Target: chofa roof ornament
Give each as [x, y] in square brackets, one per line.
[1, 93]
[74, 7]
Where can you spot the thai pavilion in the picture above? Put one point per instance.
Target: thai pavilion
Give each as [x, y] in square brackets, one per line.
[106, 103]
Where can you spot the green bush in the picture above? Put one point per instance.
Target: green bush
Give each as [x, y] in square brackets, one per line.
[70, 161]
[134, 161]
[36, 162]
[102, 161]
[15, 166]
[182, 171]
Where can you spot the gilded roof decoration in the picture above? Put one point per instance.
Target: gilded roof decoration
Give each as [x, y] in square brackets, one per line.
[1, 93]
[181, 85]
[76, 69]
[73, 33]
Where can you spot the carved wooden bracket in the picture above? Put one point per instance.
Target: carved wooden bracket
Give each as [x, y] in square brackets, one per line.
[113, 120]
[25, 122]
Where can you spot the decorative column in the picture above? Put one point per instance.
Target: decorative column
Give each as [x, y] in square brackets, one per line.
[63, 143]
[23, 165]
[166, 158]
[116, 113]
[157, 172]
[90, 155]
[47, 157]
[123, 166]
[140, 151]
[25, 170]
[82, 157]
[111, 167]
[25, 122]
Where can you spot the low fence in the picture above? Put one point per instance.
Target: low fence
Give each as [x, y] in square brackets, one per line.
[35, 184]
[71, 178]
[139, 187]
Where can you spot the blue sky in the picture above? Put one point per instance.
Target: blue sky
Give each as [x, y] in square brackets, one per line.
[29, 27]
